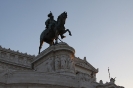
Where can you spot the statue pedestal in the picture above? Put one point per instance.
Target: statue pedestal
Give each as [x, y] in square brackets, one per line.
[57, 58]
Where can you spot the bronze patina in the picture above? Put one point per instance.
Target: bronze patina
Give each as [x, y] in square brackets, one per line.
[54, 29]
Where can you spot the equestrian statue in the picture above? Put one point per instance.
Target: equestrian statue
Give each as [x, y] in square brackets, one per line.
[54, 29]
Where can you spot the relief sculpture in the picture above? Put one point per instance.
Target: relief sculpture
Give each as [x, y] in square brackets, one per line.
[50, 65]
[57, 63]
[0, 53]
[8, 55]
[63, 62]
[70, 64]
[25, 61]
[1, 67]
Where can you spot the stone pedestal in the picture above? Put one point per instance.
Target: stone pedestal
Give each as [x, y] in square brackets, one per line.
[57, 58]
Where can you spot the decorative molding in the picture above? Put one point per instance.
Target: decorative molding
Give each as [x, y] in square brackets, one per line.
[54, 48]
[8, 67]
[85, 64]
[15, 57]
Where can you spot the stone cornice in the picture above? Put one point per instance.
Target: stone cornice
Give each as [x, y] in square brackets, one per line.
[84, 64]
[109, 85]
[54, 48]
[12, 57]
[16, 52]
[15, 64]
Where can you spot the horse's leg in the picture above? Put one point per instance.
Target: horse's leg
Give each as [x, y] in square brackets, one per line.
[51, 43]
[69, 32]
[56, 37]
[56, 40]
[41, 42]
[65, 32]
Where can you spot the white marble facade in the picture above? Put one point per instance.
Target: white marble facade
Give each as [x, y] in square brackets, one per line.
[55, 67]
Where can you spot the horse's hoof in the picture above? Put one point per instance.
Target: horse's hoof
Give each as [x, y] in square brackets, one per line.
[70, 34]
[55, 43]
[63, 37]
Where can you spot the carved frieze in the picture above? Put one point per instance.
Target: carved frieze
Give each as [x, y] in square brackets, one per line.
[3, 55]
[46, 65]
[50, 64]
[57, 63]
[0, 54]
[63, 62]
[71, 64]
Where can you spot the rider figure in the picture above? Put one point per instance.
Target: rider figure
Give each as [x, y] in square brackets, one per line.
[50, 22]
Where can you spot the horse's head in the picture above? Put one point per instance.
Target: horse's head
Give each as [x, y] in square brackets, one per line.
[62, 17]
[64, 14]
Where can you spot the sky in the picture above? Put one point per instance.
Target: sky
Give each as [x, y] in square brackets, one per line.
[102, 31]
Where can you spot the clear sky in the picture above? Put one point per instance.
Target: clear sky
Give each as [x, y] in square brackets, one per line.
[102, 31]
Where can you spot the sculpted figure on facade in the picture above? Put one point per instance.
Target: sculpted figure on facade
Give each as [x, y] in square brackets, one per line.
[70, 63]
[86, 77]
[0, 53]
[112, 80]
[5, 67]
[63, 62]
[20, 60]
[9, 68]
[16, 59]
[11, 58]
[57, 63]
[24, 60]
[50, 65]
[80, 76]
[1, 67]
[28, 61]
[101, 82]
[8, 55]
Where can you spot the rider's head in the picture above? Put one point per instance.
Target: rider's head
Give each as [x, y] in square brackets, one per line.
[50, 14]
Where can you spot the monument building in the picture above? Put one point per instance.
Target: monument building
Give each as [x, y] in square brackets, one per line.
[55, 67]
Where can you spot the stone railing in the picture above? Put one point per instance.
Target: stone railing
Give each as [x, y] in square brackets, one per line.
[15, 57]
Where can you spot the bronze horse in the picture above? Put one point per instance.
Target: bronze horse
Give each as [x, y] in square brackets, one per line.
[48, 36]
